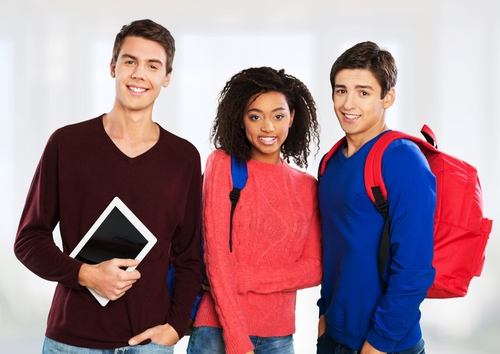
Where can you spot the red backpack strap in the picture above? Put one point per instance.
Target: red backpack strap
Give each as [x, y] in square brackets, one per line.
[377, 192]
[329, 154]
[429, 135]
[373, 164]
[375, 186]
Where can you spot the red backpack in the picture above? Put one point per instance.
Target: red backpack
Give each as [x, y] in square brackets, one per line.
[460, 230]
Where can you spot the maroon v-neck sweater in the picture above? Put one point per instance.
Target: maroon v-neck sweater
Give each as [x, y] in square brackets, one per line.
[80, 172]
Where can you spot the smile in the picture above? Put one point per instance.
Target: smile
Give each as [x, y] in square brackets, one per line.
[351, 116]
[268, 140]
[137, 89]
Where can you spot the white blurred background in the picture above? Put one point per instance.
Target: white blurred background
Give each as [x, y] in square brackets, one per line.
[54, 65]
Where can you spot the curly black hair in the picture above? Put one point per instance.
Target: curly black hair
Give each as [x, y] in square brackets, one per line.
[227, 133]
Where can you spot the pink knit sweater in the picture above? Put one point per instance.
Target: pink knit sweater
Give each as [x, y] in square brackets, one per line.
[276, 250]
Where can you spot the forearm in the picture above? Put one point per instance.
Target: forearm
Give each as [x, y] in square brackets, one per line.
[221, 275]
[34, 245]
[305, 272]
[186, 258]
[37, 251]
[220, 272]
[302, 274]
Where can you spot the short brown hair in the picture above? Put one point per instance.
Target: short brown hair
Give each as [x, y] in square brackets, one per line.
[150, 30]
[368, 56]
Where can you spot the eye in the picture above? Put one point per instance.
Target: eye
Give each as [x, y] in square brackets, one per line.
[129, 62]
[340, 91]
[279, 116]
[253, 117]
[154, 67]
[364, 93]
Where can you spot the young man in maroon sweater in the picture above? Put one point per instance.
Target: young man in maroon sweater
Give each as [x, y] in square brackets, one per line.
[124, 154]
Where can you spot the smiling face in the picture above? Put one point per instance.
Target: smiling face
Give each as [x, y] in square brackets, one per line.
[140, 73]
[358, 106]
[266, 121]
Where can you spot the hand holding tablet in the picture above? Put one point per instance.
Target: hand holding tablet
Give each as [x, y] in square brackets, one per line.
[117, 233]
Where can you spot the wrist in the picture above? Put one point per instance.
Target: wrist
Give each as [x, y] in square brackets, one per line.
[84, 274]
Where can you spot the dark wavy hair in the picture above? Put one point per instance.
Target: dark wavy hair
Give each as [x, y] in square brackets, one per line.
[227, 133]
[368, 56]
[150, 30]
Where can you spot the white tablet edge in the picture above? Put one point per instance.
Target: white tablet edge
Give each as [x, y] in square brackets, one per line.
[148, 235]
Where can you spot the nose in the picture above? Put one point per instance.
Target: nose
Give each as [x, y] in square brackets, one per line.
[267, 126]
[138, 73]
[349, 101]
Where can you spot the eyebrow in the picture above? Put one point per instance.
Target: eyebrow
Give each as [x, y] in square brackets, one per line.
[364, 87]
[274, 110]
[158, 61]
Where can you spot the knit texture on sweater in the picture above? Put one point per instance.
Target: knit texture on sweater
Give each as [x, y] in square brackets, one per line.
[276, 250]
[80, 172]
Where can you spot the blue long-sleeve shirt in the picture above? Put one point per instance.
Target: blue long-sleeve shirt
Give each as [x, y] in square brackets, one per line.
[352, 299]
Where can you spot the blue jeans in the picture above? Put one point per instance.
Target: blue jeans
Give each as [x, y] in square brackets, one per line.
[52, 347]
[326, 345]
[208, 340]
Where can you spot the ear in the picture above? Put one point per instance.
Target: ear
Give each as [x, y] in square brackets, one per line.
[390, 98]
[112, 68]
[166, 80]
[292, 115]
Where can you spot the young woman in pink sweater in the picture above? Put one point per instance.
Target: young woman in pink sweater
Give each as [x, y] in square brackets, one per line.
[265, 117]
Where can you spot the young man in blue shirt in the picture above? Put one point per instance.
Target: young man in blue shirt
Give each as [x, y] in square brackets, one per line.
[357, 315]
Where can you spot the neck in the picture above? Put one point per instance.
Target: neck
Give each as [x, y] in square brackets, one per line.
[131, 125]
[133, 135]
[356, 141]
[271, 158]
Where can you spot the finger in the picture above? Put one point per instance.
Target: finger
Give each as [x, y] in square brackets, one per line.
[124, 289]
[120, 291]
[141, 337]
[125, 263]
[129, 277]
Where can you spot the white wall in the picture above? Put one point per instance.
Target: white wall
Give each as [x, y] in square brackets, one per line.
[54, 58]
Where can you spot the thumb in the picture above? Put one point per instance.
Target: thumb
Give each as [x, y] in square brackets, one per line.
[141, 337]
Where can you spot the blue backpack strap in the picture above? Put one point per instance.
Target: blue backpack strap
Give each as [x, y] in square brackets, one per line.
[239, 176]
[239, 172]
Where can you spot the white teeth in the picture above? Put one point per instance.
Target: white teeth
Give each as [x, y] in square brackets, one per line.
[267, 139]
[136, 89]
[351, 116]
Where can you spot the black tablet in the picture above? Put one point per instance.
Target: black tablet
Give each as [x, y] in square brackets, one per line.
[117, 233]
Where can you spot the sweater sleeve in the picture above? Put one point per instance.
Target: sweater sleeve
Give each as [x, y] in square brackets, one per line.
[412, 200]
[34, 245]
[305, 272]
[219, 260]
[185, 252]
